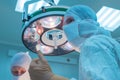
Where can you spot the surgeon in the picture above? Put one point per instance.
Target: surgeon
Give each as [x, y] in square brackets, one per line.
[99, 52]
[19, 66]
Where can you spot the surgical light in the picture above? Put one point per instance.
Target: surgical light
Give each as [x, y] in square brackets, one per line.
[67, 46]
[43, 31]
[109, 18]
[44, 49]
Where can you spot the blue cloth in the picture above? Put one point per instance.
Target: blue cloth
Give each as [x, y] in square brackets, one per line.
[99, 53]
[99, 59]
[82, 12]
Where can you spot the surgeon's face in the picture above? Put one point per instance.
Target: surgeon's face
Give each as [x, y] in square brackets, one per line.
[17, 70]
[68, 20]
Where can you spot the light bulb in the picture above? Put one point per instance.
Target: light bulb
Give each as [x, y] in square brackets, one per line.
[51, 22]
[39, 30]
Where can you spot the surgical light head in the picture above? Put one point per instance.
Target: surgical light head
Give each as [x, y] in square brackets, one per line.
[43, 31]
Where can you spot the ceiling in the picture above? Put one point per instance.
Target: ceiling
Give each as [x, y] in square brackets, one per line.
[11, 21]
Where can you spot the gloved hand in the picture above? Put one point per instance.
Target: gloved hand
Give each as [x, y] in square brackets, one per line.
[40, 70]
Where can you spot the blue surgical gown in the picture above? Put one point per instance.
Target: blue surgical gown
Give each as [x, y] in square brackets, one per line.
[99, 59]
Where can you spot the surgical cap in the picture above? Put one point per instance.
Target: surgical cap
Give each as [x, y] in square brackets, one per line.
[82, 11]
[21, 59]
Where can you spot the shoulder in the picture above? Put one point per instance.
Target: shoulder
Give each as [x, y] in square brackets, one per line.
[93, 44]
[98, 40]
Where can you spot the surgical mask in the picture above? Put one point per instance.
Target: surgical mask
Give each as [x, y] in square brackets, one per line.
[24, 76]
[71, 30]
[79, 30]
[72, 33]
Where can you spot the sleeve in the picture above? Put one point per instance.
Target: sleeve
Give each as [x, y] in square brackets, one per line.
[97, 64]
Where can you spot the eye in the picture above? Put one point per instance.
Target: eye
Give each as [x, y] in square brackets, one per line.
[68, 20]
[17, 71]
[23, 71]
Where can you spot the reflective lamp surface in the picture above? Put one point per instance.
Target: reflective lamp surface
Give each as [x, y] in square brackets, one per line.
[44, 32]
[51, 22]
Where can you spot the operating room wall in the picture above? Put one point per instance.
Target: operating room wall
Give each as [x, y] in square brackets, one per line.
[65, 65]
